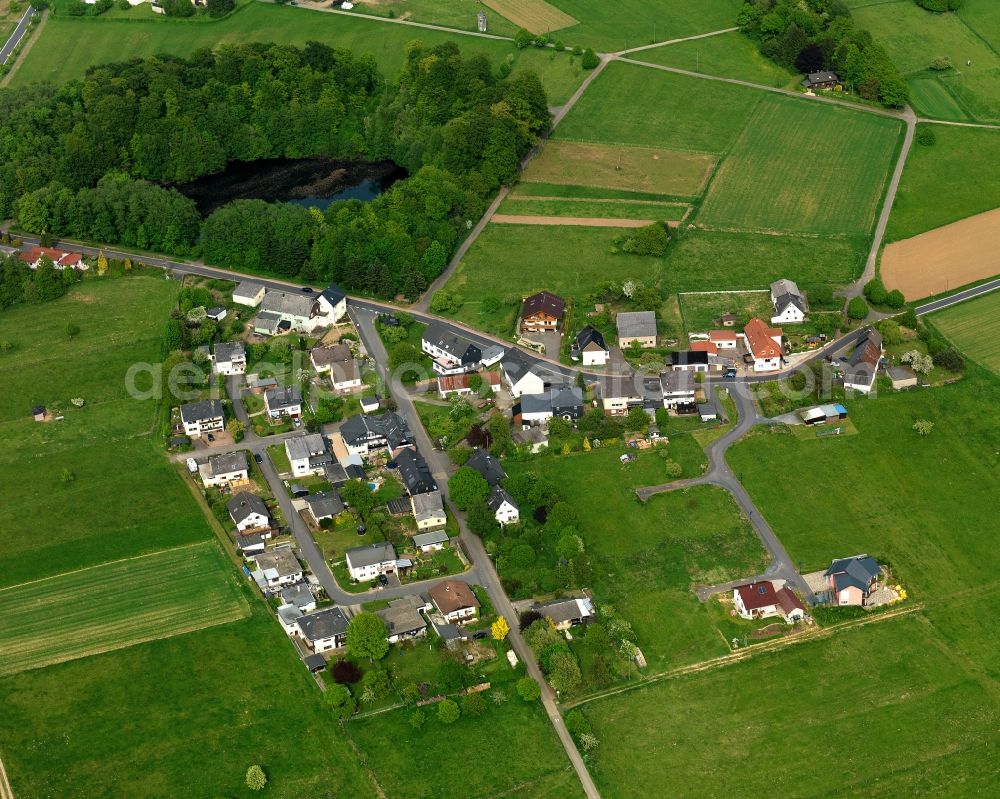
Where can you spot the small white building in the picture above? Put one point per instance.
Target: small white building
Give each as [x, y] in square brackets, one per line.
[229, 358]
[723, 339]
[201, 418]
[431, 542]
[788, 303]
[504, 508]
[368, 562]
[248, 293]
[589, 348]
[225, 469]
[332, 304]
[521, 376]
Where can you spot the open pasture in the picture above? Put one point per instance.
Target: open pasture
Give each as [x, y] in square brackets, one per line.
[945, 258]
[974, 328]
[535, 15]
[528, 205]
[621, 167]
[789, 172]
[116, 605]
[643, 106]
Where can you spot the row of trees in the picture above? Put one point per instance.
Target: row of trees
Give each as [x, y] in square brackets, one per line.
[84, 160]
[820, 34]
[20, 284]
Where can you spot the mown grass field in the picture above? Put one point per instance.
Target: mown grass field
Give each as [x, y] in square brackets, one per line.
[699, 310]
[144, 720]
[974, 328]
[515, 734]
[956, 177]
[116, 605]
[535, 15]
[647, 557]
[58, 477]
[776, 179]
[629, 104]
[914, 37]
[621, 167]
[729, 55]
[87, 42]
[459, 14]
[610, 209]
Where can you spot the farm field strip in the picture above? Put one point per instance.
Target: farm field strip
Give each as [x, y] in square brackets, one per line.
[535, 15]
[974, 328]
[772, 180]
[571, 221]
[116, 605]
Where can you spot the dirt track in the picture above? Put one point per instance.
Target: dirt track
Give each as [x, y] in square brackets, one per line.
[944, 258]
[577, 221]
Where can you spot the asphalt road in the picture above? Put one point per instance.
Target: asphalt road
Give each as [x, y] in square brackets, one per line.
[15, 38]
[962, 296]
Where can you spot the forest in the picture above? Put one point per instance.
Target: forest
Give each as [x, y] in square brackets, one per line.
[96, 159]
[813, 35]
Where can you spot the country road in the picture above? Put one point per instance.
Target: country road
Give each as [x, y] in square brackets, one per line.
[7, 50]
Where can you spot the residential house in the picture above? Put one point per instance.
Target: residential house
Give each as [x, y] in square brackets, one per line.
[433, 541]
[331, 304]
[636, 327]
[761, 601]
[324, 505]
[250, 543]
[270, 324]
[300, 595]
[619, 394]
[566, 613]
[589, 348]
[288, 618]
[853, 580]
[220, 470]
[703, 346]
[788, 303]
[763, 345]
[296, 309]
[676, 388]
[323, 630]
[451, 353]
[364, 434]
[459, 384]
[532, 409]
[216, 313]
[368, 562]
[504, 507]
[487, 465]
[902, 377]
[229, 358]
[404, 618]
[522, 375]
[542, 313]
[283, 401]
[248, 293]
[307, 454]
[723, 339]
[322, 358]
[862, 366]
[278, 568]
[566, 402]
[454, 600]
[249, 513]
[428, 511]
[821, 80]
[415, 473]
[202, 418]
[60, 258]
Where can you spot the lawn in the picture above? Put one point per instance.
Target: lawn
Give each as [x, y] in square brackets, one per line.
[608, 209]
[958, 176]
[974, 328]
[460, 14]
[729, 55]
[700, 310]
[621, 167]
[108, 40]
[772, 180]
[890, 682]
[117, 605]
[630, 104]
[646, 558]
[522, 754]
[57, 475]
[143, 721]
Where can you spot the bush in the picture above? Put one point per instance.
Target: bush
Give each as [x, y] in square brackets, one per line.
[340, 701]
[926, 136]
[648, 240]
[589, 59]
[940, 5]
[941, 63]
[523, 38]
[448, 711]
[528, 689]
[417, 719]
[345, 672]
[256, 778]
[895, 299]
[923, 426]
[875, 292]
[72, 330]
[474, 704]
[950, 359]
[821, 296]
[857, 308]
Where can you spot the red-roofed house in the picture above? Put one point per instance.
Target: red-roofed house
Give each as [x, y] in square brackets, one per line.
[764, 345]
[60, 258]
[542, 313]
[723, 339]
[459, 384]
[761, 601]
[704, 346]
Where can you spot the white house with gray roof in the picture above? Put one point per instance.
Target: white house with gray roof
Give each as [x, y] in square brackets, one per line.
[368, 562]
[504, 507]
[248, 293]
[431, 542]
[201, 418]
[788, 303]
[283, 401]
[224, 469]
[229, 358]
[324, 629]
[248, 512]
[308, 454]
[278, 568]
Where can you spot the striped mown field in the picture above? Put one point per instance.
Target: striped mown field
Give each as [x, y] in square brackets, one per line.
[974, 328]
[116, 605]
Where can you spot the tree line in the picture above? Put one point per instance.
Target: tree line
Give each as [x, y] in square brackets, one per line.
[96, 158]
[819, 35]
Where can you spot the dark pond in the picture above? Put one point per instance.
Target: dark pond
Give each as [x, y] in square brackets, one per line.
[304, 181]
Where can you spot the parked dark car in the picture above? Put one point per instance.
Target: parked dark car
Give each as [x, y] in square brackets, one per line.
[306, 290]
[211, 438]
[258, 458]
[383, 580]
